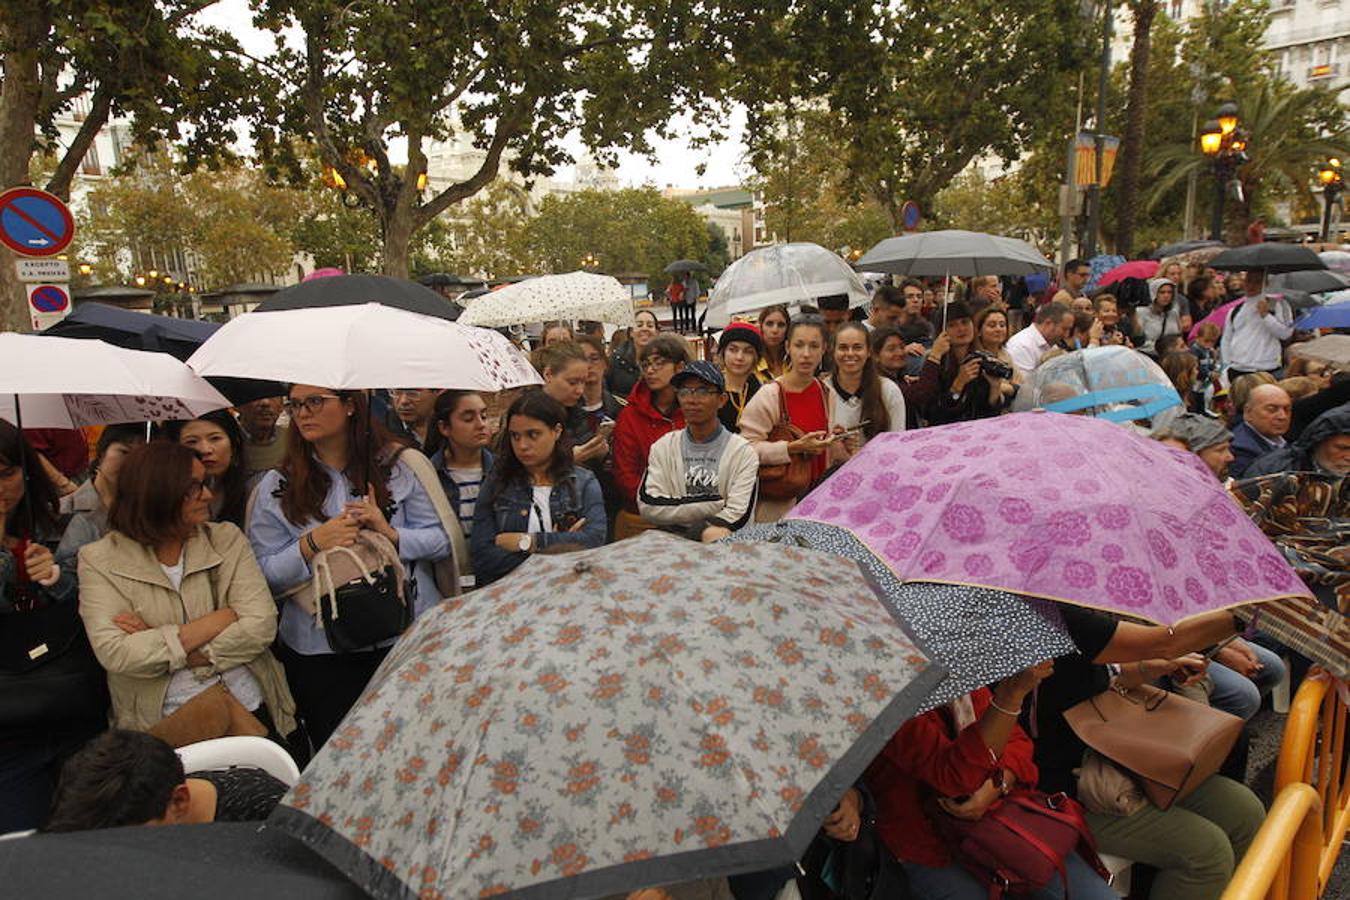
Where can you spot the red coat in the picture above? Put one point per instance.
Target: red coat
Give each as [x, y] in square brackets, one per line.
[639, 426]
[922, 761]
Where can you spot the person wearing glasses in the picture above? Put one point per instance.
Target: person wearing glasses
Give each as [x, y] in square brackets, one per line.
[342, 473]
[415, 409]
[174, 603]
[218, 441]
[701, 480]
[652, 411]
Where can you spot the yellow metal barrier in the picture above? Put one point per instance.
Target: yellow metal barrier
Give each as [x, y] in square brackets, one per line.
[1290, 839]
[1312, 753]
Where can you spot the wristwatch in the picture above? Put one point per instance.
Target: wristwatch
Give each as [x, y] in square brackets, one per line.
[526, 542]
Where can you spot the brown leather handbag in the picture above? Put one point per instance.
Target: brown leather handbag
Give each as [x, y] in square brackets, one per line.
[1170, 744]
[785, 481]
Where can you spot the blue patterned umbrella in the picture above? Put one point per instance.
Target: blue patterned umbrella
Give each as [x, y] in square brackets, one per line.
[978, 635]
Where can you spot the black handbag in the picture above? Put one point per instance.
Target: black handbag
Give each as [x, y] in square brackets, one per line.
[861, 869]
[49, 676]
[359, 594]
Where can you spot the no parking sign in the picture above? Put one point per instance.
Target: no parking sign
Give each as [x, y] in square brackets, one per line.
[48, 304]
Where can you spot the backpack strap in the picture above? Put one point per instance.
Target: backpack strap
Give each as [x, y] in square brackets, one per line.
[448, 571]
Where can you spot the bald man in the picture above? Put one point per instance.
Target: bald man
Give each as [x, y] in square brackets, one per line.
[1265, 420]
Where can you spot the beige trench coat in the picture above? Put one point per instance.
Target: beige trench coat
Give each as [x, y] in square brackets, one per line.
[119, 575]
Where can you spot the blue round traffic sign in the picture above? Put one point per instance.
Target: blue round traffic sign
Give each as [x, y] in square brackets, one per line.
[34, 222]
[910, 215]
[49, 299]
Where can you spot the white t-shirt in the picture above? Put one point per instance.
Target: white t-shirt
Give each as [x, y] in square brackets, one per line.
[184, 684]
[541, 517]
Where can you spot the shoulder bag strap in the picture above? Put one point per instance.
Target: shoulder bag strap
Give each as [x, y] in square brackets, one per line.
[431, 483]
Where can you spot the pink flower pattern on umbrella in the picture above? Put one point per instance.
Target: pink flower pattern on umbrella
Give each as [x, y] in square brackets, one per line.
[1065, 507]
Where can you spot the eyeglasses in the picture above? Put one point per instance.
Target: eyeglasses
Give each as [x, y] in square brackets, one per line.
[655, 362]
[687, 392]
[195, 489]
[311, 404]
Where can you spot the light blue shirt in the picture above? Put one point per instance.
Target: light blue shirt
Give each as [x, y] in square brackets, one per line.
[276, 543]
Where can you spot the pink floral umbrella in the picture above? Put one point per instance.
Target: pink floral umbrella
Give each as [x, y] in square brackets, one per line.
[1139, 268]
[1056, 506]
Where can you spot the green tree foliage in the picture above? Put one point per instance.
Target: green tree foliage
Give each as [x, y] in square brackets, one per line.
[484, 237]
[1020, 204]
[142, 59]
[513, 75]
[919, 89]
[630, 230]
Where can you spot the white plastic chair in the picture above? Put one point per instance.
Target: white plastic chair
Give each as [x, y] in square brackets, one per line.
[241, 750]
[15, 835]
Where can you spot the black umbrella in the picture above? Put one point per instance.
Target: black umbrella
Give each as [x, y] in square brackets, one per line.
[1182, 247]
[685, 265]
[161, 334]
[221, 861]
[353, 290]
[1313, 281]
[1268, 256]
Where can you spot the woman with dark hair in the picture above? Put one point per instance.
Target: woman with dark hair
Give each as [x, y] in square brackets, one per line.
[739, 350]
[954, 385]
[652, 411]
[798, 397]
[218, 441]
[44, 719]
[888, 350]
[89, 504]
[124, 778]
[556, 333]
[1202, 296]
[342, 474]
[463, 461]
[564, 368]
[773, 327]
[536, 496]
[625, 369]
[864, 404]
[175, 604]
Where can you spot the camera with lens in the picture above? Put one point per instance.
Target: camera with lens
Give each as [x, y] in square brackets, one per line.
[992, 366]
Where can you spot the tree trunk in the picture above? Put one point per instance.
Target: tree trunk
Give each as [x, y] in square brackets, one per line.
[1132, 146]
[23, 29]
[396, 227]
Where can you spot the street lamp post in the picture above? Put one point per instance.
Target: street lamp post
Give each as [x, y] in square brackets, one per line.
[1333, 185]
[1226, 144]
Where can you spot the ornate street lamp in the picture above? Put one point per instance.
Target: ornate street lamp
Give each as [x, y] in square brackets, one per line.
[1223, 141]
[590, 262]
[1333, 185]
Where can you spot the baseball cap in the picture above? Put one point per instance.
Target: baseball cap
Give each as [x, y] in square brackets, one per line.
[702, 370]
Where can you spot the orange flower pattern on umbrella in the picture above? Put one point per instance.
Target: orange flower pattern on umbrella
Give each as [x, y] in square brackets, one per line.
[597, 710]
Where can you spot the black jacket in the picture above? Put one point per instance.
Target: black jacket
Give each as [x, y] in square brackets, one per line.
[1298, 456]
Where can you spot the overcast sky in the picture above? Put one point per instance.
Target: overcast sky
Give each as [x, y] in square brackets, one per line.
[675, 165]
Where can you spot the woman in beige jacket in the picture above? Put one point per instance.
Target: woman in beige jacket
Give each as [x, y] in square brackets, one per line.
[799, 394]
[174, 604]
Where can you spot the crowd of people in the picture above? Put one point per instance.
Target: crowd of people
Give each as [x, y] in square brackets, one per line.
[180, 566]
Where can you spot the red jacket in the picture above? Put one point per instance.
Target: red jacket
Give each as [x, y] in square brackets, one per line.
[922, 761]
[639, 426]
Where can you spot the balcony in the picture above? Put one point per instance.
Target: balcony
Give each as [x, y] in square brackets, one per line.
[1323, 71]
[1278, 38]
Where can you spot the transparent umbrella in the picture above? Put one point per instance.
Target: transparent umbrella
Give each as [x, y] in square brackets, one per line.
[1113, 383]
[783, 273]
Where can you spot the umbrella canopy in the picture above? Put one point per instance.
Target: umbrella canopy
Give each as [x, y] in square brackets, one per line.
[979, 636]
[1268, 256]
[1200, 256]
[1139, 268]
[594, 723]
[358, 290]
[1112, 383]
[1307, 515]
[369, 346]
[1338, 260]
[1314, 281]
[964, 253]
[1333, 349]
[781, 274]
[1098, 266]
[576, 295]
[221, 861]
[1333, 315]
[1217, 317]
[685, 265]
[66, 383]
[1182, 247]
[1062, 507]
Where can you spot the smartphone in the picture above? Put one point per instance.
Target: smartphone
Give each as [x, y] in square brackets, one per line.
[850, 431]
[606, 426]
[566, 522]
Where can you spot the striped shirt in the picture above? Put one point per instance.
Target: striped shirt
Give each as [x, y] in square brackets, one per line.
[469, 482]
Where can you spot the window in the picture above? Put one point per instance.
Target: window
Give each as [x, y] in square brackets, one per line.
[89, 165]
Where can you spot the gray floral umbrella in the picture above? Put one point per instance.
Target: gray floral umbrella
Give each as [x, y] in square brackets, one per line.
[649, 712]
[978, 635]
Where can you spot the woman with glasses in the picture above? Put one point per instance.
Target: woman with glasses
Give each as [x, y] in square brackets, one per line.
[174, 603]
[798, 398]
[536, 496]
[218, 441]
[625, 362]
[652, 411]
[341, 474]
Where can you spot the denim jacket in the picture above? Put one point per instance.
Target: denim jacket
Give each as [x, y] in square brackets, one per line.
[448, 484]
[504, 508]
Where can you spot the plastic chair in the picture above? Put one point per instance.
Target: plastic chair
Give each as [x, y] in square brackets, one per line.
[1120, 871]
[14, 835]
[240, 750]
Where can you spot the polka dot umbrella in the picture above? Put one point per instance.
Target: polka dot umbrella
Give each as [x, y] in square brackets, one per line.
[1059, 507]
[576, 295]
